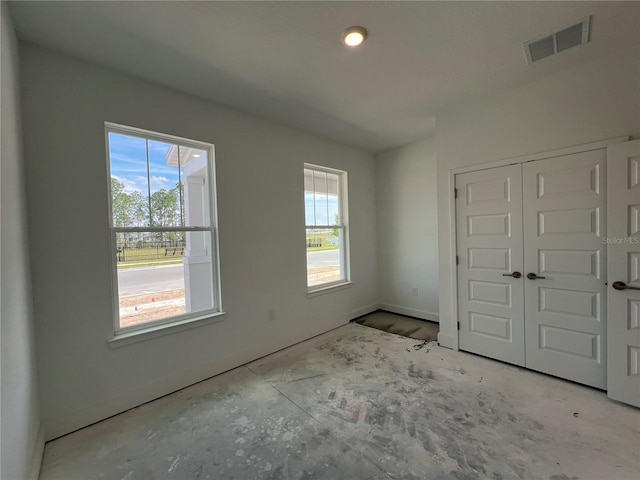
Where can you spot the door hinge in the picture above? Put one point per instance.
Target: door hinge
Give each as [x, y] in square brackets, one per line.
[457, 260]
[458, 325]
[455, 193]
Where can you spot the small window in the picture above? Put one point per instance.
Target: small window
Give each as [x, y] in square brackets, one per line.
[163, 228]
[325, 201]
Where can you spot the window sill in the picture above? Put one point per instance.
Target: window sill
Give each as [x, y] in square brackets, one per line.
[328, 289]
[155, 331]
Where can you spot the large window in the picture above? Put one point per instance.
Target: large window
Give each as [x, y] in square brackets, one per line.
[325, 201]
[163, 228]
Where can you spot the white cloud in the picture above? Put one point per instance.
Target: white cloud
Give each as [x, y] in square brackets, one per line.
[132, 185]
[158, 183]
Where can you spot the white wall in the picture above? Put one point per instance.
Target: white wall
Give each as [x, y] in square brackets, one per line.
[592, 102]
[260, 196]
[22, 440]
[408, 230]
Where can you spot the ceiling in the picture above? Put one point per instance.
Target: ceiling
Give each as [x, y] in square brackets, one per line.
[284, 61]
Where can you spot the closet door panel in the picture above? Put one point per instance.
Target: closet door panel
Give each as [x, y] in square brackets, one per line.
[489, 236]
[564, 218]
[623, 368]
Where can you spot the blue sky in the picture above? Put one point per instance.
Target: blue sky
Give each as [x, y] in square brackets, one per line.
[326, 207]
[129, 164]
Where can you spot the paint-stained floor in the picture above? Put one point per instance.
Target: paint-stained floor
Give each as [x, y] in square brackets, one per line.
[358, 403]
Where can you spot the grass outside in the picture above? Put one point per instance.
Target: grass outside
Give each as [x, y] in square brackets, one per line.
[149, 257]
[159, 263]
[324, 240]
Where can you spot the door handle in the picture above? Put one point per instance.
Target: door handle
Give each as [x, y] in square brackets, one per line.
[533, 276]
[514, 274]
[623, 286]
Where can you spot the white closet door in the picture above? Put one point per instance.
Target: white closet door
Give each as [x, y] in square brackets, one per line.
[489, 236]
[623, 377]
[565, 308]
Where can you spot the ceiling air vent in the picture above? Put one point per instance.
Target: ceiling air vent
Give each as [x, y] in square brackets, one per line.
[572, 36]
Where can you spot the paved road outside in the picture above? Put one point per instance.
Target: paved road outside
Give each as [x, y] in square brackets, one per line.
[138, 281]
[324, 258]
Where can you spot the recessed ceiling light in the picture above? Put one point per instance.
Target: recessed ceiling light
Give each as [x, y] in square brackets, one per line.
[354, 36]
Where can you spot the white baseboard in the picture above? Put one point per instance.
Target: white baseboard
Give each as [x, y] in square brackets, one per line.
[412, 312]
[447, 341]
[364, 311]
[36, 455]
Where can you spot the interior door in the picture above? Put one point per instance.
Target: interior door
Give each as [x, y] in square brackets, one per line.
[489, 237]
[623, 245]
[565, 266]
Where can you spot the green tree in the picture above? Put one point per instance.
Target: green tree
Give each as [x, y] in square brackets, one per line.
[164, 208]
[165, 212]
[139, 209]
[132, 210]
[121, 205]
[139, 212]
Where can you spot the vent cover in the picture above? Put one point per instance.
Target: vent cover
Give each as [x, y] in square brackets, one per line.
[564, 39]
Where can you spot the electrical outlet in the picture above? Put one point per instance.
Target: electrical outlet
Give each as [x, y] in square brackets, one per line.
[271, 315]
[414, 291]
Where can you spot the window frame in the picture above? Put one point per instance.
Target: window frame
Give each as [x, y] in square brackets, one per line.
[344, 248]
[153, 326]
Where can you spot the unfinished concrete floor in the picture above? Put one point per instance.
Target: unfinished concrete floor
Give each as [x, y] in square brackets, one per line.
[401, 325]
[358, 403]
